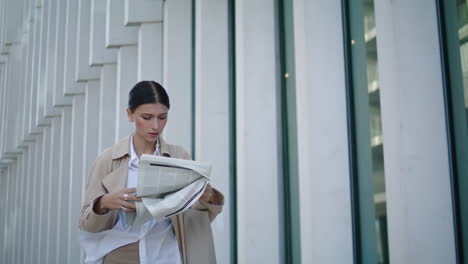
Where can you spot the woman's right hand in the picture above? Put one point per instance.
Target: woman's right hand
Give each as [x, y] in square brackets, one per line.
[116, 201]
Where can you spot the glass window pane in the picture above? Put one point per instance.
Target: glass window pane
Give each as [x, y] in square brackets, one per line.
[376, 132]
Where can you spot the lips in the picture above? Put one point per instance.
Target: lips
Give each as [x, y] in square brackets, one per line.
[153, 134]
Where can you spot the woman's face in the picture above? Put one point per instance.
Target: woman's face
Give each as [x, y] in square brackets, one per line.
[150, 120]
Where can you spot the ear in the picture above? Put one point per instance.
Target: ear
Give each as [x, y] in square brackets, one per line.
[130, 115]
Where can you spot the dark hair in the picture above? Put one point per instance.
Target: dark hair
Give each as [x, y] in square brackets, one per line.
[147, 92]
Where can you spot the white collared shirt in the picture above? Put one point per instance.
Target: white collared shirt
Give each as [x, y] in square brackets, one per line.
[157, 241]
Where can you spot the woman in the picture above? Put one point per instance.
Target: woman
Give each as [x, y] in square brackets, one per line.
[106, 236]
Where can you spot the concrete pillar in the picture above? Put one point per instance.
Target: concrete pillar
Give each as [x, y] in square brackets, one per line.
[54, 194]
[99, 54]
[64, 183]
[106, 112]
[35, 239]
[126, 79]
[91, 125]
[42, 65]
[116, 33]
[417, 173]
[258, 134]
[59, 98]
[150, 51]
[73, 41]
[177, 75]
[76, 176]
[212, 135]
[83, 70]
[45, 189]
[324, 181]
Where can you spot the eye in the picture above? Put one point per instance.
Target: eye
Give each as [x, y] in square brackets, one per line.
[162, 117]
[146, 117]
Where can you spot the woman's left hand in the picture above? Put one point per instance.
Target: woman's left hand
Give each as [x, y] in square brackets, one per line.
[210, 196]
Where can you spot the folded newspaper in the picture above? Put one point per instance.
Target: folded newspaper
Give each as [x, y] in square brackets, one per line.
[167, 187]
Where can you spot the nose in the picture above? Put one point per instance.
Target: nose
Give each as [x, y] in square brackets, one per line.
[155, 125]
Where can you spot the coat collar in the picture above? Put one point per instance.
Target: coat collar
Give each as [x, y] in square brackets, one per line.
[122, 148]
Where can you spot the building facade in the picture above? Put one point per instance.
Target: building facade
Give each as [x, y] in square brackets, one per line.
[337, 129]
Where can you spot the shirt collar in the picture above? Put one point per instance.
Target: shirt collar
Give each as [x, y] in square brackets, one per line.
[134, 159]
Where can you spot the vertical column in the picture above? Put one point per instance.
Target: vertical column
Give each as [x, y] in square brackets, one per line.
[30, 174]
[83, 70]
[42, 65]
[99, 54]
[51, 59]
[107, 113]
[126, 38]
[35, 69]
[35, 239]
[126, 78]
[76, 176]
[2, 216]
[212, 108]
[150, 49]
[14, 210]
[30, 47]
[7, 247]
[54, 194]
[91, 125]
[117, 34]
[258, 134]
[177, 76]
[44, 195]
[64, 183]
[72, 38]
[59, 98]
[324, 188]
[419, 202]
[29, 244]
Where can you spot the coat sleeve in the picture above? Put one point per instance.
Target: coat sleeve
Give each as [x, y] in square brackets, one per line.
[89, 220]
[213, 209]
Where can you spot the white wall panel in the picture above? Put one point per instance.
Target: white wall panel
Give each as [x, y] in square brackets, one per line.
[258, 134]
[106, 112]
[76, 176]
[91, 125]
[59, 98]
[83, 70]
[51, 59]
[212, 142]
[70, 86]
[54, 195]
[64, 184]
[35, 240]
[42, 65]
[324, 181]
[44, 195]
[419, 205]
[143, 11]
[126, 79]
[150, 52]
[99, 54]
[177, 75]
[35, 70]
[117, 34]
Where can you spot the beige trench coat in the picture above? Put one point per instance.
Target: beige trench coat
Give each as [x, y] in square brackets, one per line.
[109, 174]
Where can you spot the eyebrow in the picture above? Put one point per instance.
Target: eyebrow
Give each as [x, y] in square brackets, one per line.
[165, 113]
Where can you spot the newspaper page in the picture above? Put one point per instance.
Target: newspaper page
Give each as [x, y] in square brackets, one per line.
[167, 187]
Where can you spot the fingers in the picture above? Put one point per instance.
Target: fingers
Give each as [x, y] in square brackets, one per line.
[133, 198]
[128, 205]
[129, 190]
[125, 209]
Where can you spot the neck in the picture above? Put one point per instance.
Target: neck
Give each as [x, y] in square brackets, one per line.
[143, 147]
